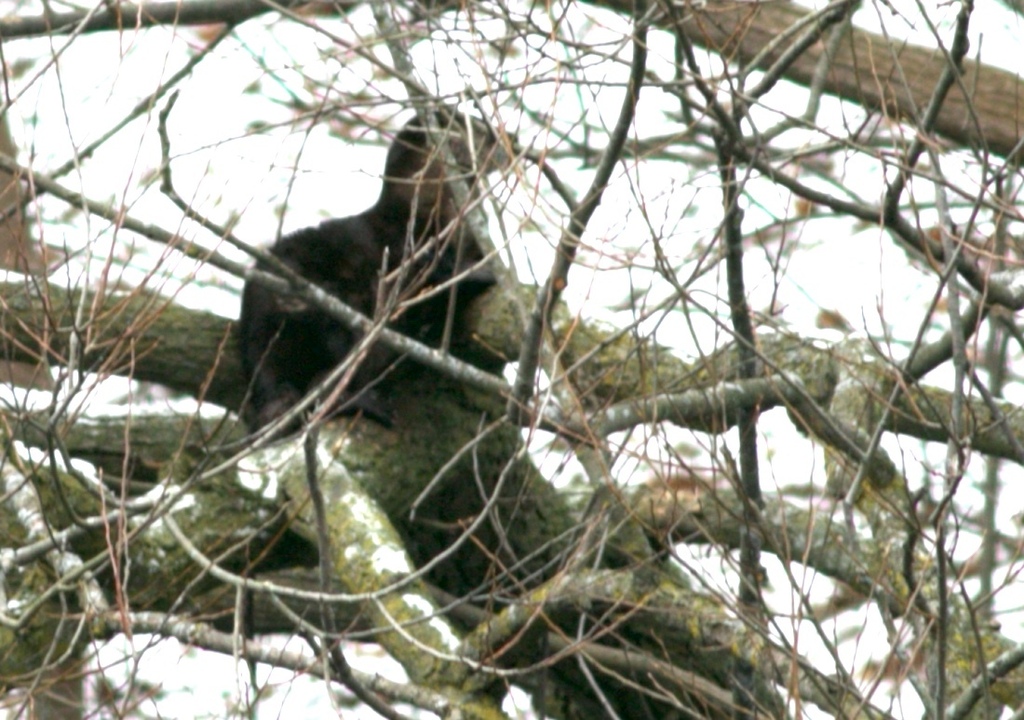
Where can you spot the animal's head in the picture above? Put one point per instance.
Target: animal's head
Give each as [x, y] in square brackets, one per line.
[416, 171]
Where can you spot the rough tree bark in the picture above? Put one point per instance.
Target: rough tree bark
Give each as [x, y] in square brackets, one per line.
[206, 527]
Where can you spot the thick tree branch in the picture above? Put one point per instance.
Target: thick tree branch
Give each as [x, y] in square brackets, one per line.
[130, 16]
[864, 70]
[194, 352]
[868, 70]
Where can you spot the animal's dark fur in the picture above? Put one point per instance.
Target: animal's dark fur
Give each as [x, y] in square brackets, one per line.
[288, 347]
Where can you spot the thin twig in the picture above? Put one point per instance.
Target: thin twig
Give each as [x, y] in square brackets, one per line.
[568, 243]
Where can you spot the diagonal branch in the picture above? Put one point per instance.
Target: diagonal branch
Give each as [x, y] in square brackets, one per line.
[131, 16]
[565, 254]
[864, 70]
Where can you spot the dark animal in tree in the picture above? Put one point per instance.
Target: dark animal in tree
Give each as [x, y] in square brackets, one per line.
[409, 242]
